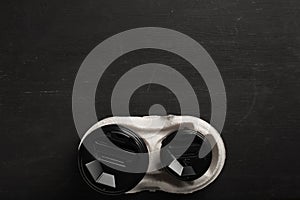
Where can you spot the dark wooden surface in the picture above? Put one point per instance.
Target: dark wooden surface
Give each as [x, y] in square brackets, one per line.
[254, 43]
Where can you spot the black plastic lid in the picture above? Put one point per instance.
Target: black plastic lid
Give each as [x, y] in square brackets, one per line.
[105, 166]
[190, 165]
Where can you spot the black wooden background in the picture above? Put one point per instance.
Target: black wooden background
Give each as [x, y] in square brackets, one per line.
[255, 45]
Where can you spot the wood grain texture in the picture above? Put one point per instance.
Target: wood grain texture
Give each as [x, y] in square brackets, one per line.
[254, 43]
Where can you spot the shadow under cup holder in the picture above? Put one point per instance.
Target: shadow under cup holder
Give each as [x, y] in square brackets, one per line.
[106, 155]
